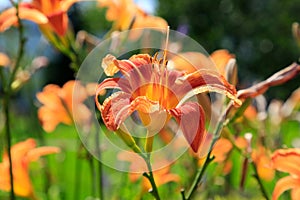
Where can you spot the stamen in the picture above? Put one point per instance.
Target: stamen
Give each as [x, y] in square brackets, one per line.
[166, 47]
[164, 66]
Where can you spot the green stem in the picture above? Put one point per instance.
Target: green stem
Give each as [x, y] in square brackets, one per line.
[262, 188]
[150, 177]
[93, 174]
[22, 41]
[8, 92]
[100, 170]
[198, 177]
[200, 173]
[78, 170]
[8, 141]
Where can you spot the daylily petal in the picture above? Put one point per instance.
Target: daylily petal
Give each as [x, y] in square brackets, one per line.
[221, 57]
[262, 161]
[109, 65]
[109, 83]
[112, 65]
[36, 153]
[278, 78]
[50, 118]
[49, 95]
[53, 110]
[20, 149]
[22, 154]
[8, 17]
[191, 118]
[118, 107]
[207, 81]
[111, 107]
[284, 184]
[191, 62]
[287, 160]
[143, 20]
[221, 149]
[32, 15]
[59, 22]
[4, 60]
[295, 193]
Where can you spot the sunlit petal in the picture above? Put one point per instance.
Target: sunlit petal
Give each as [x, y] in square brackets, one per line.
[191, 118]
[118, 107]
[287, 160]
[109, 83]
[221, 57]
[8, 17]
[283, 185]
[295, 193]
[221, 149]
[262, 160]
[22, 154]
[59, 22]
[191, 62]
[208, 81]
[35, 154]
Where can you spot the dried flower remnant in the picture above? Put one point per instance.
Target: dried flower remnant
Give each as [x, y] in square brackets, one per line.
[23, 153]
[278, 78]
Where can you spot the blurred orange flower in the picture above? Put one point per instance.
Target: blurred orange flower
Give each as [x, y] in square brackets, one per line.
[57, 105]
[262, 160]
[138, 166]
[192, 61]
[51, 14]
[22, 154]
[4, 60]
[221, 151]
[126, 14]
[221, 58]
[287, 160]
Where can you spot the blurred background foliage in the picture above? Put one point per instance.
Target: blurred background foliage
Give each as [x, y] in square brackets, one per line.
[257, 32]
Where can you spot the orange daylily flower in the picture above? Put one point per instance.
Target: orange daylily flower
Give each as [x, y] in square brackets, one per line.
[121, 12]
[287, 160]
[57, 105]
[22, 153]
[138, 166]
[51, 14]
[126, 14]
[158, 94]
[192, 61]
[262, 160]
[221, 58]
